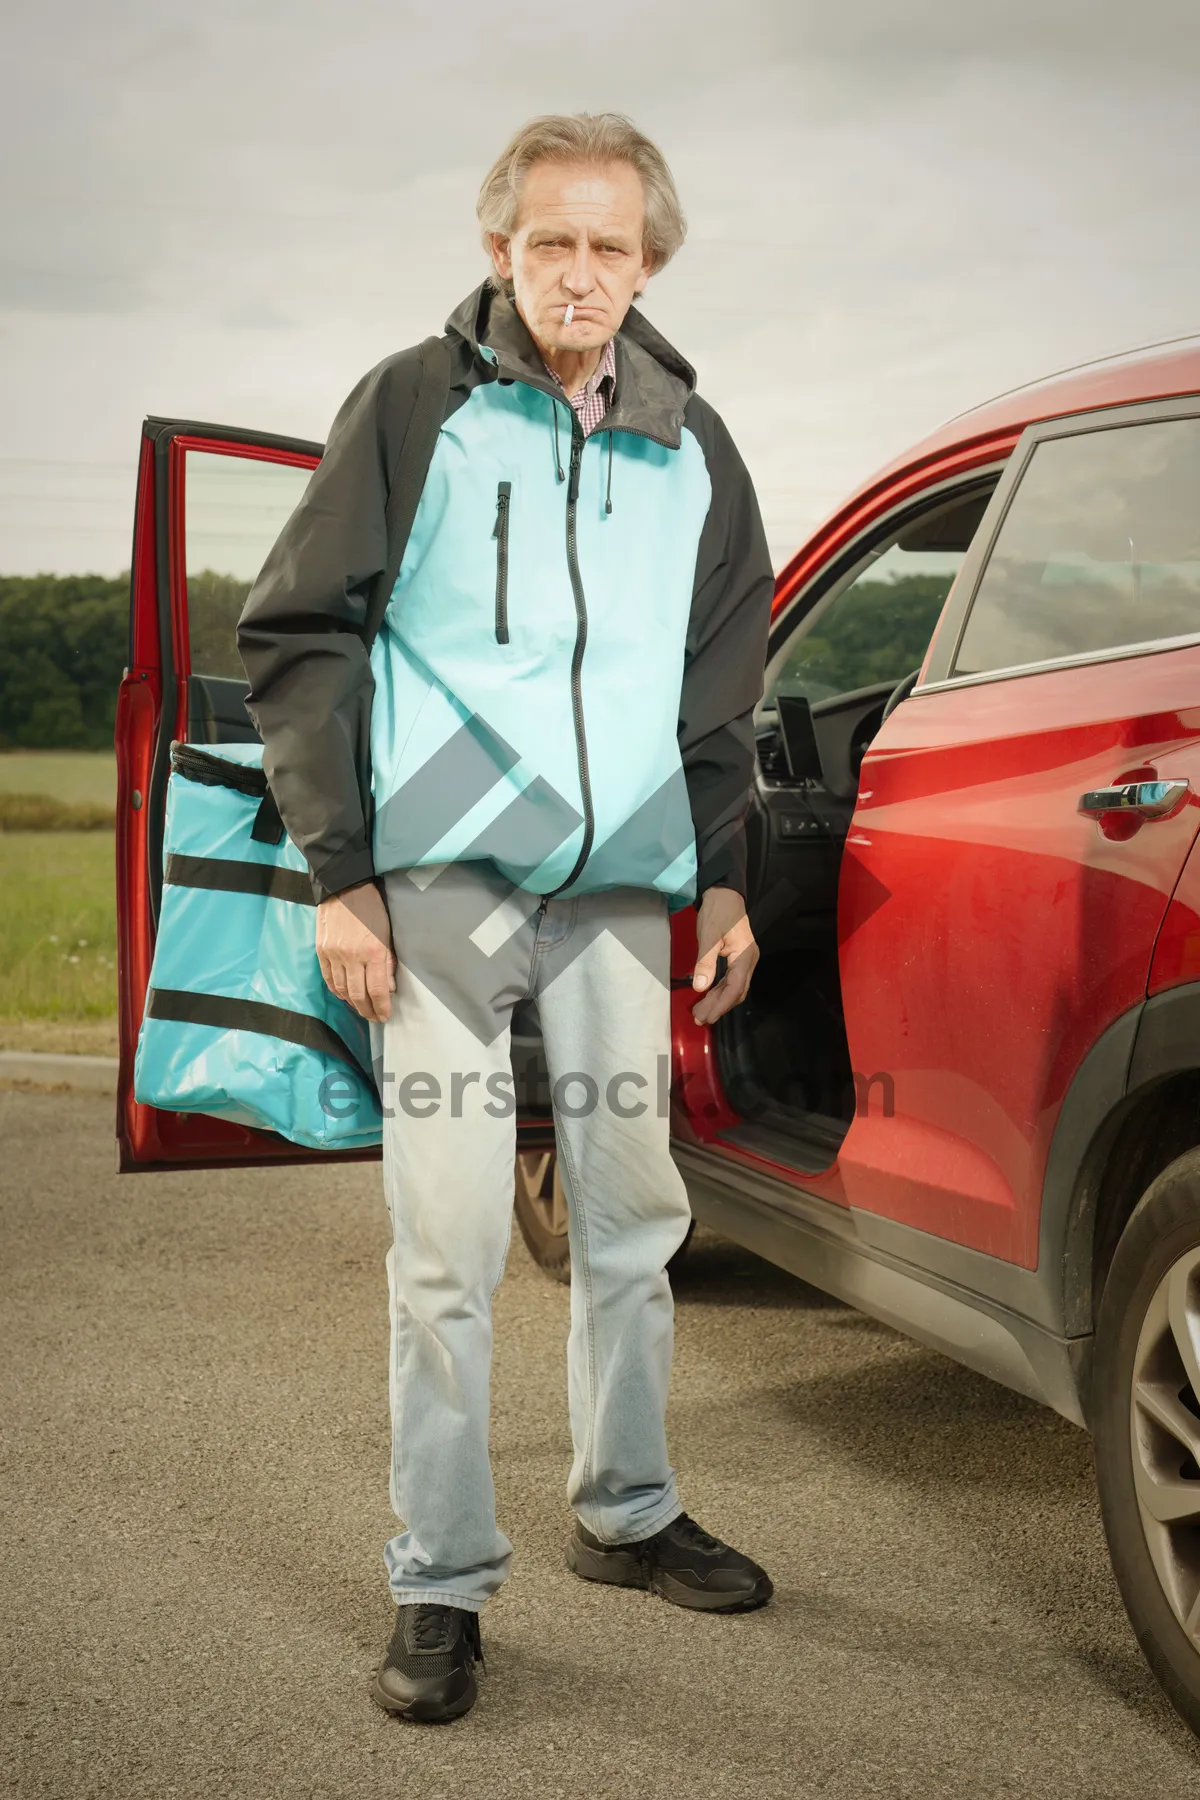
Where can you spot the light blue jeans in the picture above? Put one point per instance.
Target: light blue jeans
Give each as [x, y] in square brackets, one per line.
[470, 948]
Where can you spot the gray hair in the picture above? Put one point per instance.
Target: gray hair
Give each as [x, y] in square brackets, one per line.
[592, 139]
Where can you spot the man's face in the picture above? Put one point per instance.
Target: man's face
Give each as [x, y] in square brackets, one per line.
[578, 241]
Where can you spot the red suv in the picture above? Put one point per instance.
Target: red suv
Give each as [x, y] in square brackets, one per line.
[964, 1093]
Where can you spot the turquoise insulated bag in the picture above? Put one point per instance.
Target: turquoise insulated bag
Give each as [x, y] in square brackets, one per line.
[239, 1022]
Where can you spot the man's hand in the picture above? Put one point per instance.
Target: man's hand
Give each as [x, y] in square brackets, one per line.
[722, 929]
[354, 948]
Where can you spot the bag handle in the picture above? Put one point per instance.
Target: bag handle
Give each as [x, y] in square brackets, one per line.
[213, 770]
[412, 466]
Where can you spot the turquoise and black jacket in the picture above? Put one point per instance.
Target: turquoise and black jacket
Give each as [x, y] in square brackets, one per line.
[566, 672]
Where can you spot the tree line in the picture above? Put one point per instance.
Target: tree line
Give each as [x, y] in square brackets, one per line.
[63, 645]
[876, 631]
[64, 642]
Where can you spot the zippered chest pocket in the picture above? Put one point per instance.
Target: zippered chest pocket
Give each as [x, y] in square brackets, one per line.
[500, 533]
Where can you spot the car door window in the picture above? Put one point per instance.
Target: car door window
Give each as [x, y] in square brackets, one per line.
[874, 624]
[235, 508]
[1099, 548]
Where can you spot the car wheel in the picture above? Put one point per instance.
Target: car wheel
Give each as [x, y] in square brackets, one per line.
[542, 1214]
[1146, 1427]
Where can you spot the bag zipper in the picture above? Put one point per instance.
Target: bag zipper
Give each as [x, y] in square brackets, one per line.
[585, 786]
[503, 498]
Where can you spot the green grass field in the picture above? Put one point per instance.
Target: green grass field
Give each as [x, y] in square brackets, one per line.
[81, 777]
[58, 928]
[58, 942]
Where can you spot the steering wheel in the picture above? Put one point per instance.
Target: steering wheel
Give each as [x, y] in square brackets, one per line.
[900, 692]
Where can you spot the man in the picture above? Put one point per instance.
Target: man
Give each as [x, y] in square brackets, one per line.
[545, 752]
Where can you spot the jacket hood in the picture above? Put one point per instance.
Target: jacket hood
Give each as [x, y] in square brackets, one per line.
[654, 382]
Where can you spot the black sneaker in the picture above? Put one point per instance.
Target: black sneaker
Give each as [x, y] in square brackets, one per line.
[428, 1672]
[681, 1563]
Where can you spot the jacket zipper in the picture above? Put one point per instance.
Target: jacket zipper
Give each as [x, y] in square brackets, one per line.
[503, 498]
[585, 786]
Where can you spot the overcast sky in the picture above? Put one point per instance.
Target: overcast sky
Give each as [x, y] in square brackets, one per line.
[896, 210]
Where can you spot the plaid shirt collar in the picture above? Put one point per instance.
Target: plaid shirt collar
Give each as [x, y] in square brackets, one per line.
[594, 398]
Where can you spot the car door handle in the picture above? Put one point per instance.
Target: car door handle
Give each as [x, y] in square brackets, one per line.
[1149, 799]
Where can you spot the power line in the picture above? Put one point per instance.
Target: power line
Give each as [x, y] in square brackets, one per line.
[66, 462]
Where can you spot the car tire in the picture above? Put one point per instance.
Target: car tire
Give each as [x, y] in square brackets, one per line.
[542, 1211]
[541, 1207]
[1146, 1427]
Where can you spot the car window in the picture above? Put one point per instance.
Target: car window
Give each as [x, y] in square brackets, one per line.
[236, 506]
[1100, 547]
[875, 623]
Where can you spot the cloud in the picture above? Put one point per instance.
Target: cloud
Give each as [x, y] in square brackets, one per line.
[895, 209]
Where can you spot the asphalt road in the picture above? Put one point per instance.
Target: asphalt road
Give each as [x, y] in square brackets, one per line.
[193, 1505]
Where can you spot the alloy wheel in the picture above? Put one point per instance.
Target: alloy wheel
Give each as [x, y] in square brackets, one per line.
[1165, 1428]
[544, 1190]
[542, 1211]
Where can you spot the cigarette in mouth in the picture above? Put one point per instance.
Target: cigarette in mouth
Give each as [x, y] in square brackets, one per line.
[569, 315]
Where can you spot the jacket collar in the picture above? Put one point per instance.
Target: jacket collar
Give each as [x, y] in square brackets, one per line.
[653, 384]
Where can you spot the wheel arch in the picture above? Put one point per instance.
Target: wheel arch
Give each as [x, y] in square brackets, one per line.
[1131, 1109]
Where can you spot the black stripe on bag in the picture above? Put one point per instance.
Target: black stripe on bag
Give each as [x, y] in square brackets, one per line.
[184, 1008]
[221, 875]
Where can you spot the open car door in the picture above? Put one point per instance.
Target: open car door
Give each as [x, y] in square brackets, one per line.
[210, 503]
[211, 500]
